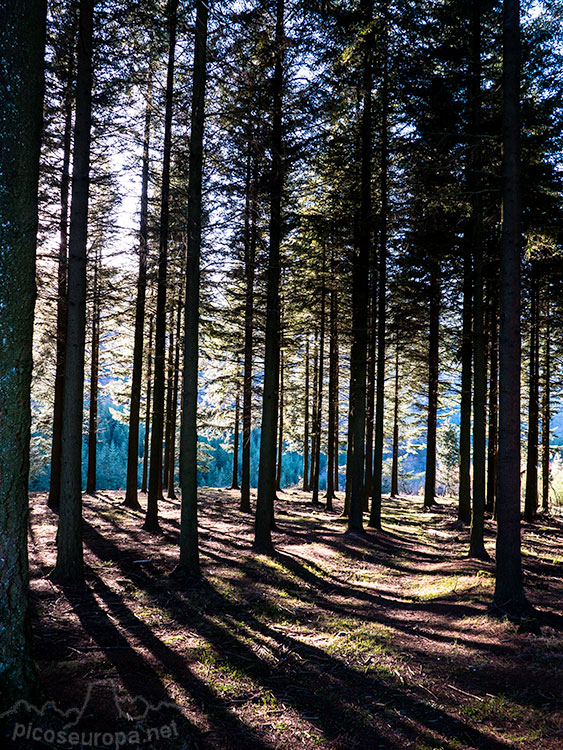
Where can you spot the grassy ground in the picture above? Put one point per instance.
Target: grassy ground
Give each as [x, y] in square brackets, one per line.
[338, 641]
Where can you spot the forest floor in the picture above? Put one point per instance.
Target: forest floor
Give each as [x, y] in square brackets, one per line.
[338, 641]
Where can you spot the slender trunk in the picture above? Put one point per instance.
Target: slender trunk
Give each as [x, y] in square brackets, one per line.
[147, 409]
[55, 483]
[131, 500]
[464, 500]
[531, 492]
[395, 459]
[175, 387]
[314, 413]
[306, 484]
[189, 550]
[360, 268]
[267, 467]
[336, 402]
[94, 371]
[477, 543]
[370, 389]
[375, 514]
[509, 590]
[155, 474]
[69, 565]
[280, 429]
[320, 384]
[249, 273]
[332, 456]
[234, 482]
[433, 370]
[546, 407]
[22, 38]
[349, 455]
[492, 448]
[169, 396]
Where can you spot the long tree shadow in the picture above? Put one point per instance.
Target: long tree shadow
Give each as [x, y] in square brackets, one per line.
[306, 665]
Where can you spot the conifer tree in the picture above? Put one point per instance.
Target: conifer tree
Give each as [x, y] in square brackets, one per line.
[22, 42]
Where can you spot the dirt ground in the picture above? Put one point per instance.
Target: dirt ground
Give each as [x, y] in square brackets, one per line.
[338, 641]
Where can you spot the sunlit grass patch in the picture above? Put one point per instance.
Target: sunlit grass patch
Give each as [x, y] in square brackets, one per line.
[435, 588]
[498, 708]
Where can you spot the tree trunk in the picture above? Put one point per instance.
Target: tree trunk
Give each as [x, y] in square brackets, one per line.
[280, 429]
[169, 397]
[55, 483]
[69, 565]
[249, 273]
[234, 483]
[336, 403]
[360, 291]
[175, 388]
[375, 514]
[509, 590]
[267, 467]
[320, 383]
[306, 484]
[433, 370]
[314, 413]
[546, 407]
[155, 474]
[94, 372]
[464, 500]
[531, 492]
[477, 544]
[492, 448]
[395, 459]
[370, 389]
[147, 409]
[22, 38]
[189, 550]
[131, 500]
[332, 440]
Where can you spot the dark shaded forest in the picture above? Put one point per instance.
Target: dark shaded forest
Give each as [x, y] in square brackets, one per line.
[281, 372]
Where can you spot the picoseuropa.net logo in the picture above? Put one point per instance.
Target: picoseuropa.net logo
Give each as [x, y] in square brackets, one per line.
[135, 723]
[94, 739]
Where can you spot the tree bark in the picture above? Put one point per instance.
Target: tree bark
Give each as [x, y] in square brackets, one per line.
[314, 412]
[320, 383]
[94, 372]
[249, 274]
[306, 484]
[370, 388]
[546, 407]
[131, 499]
[69, 565]
[169, 396]
[234, 483]
[332, 440]
[464, 500]
[22, 39]
[360, 266]
[267, 466]
[147, 410]
[189, 550]
[280, 428]
[531, 492]
[375, 514]
[477, 544]
[171, 494]
[492, 448]
[509, 590]
[156, 447]
[395, 458]
[55, 483]
[433, 370]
